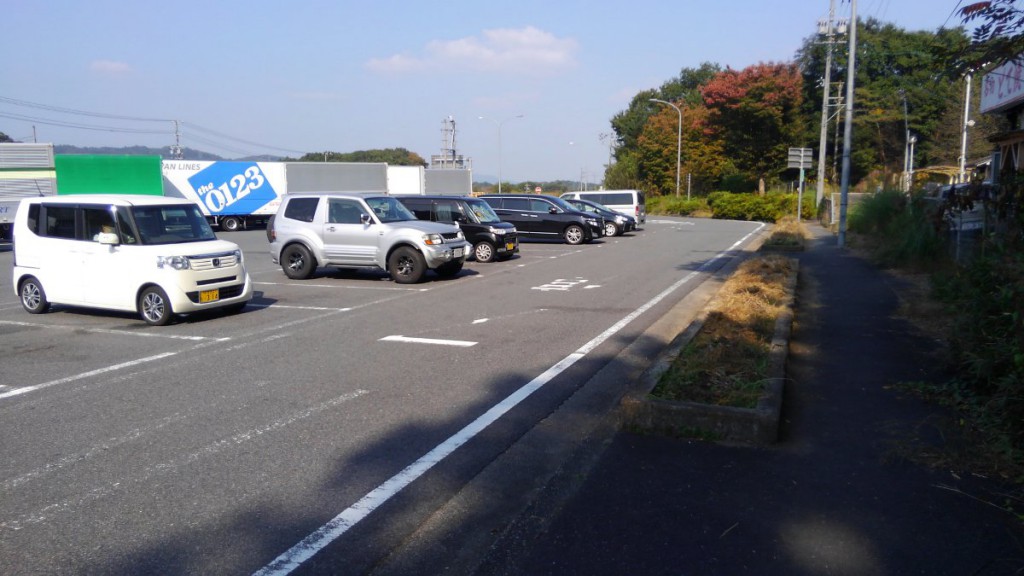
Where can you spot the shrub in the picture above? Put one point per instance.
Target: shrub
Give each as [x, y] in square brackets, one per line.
[672, 206]
[768, 208]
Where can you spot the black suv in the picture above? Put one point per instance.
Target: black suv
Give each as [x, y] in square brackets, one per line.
[539, 216]
[491, 238]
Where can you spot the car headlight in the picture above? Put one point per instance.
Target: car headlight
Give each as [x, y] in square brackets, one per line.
[460, 235]
[176, 262]
[498, 231]
[591, 221]
[432, 239]
[238, 256]
[620, 219]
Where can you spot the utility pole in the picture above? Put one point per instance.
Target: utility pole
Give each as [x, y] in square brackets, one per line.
[844, 187]
[825, 27]
[176, 151]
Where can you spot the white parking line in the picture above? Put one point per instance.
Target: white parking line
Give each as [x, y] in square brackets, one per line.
[166, 467]
[314, 308]
[111, 331]
[27, 389]
[341, 286]
[332, 530]
[398, 338]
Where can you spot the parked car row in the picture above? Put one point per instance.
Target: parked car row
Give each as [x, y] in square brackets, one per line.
[158, 256]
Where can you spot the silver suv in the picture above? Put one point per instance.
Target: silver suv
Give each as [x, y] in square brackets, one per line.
[350, 230]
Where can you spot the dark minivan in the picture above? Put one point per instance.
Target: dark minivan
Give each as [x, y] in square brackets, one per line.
[491, 238]
[540, 216]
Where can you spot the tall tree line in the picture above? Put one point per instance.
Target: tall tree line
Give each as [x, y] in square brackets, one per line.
[737, 125]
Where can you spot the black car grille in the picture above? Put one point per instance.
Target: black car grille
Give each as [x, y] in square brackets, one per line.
[450, 235]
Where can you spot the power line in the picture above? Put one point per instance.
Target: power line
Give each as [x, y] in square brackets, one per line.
[232, 138]
[49, 122]
[28, 104]
[957, 7]
[72, 111]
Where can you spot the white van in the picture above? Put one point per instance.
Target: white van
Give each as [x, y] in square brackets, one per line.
[628, 202]
[147, 254]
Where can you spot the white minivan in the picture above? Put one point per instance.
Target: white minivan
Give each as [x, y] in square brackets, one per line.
[628, 202]
[147, 254]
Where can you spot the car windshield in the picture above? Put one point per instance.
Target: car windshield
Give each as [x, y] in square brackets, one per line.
[389, 209]
[563, 204]
[171, 224]
[482, 211]
[598, 206]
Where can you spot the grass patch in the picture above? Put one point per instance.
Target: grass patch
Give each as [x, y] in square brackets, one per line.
[727, 363]
[788, 234]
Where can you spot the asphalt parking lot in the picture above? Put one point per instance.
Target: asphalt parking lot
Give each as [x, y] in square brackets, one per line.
[218, 443]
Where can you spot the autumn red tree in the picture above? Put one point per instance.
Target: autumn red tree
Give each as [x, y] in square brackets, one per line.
[703, 159]
[755, 113]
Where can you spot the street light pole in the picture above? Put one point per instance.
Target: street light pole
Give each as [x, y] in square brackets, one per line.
[499, 124]
[967, 123]
[679, 139]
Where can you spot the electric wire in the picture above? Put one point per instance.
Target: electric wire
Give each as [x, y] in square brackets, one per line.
[213, 137]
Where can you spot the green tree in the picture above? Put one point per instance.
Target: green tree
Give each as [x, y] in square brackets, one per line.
[392, 156]
[5, 138]
[703, 157]
[902, 83]
[629, 124]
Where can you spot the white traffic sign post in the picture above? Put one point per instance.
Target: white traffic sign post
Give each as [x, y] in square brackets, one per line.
[800, 158]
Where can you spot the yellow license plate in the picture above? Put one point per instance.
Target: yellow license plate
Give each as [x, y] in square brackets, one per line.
[510, 246]
[209, 296]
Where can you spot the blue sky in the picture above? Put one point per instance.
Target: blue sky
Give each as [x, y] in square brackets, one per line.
[293, 77]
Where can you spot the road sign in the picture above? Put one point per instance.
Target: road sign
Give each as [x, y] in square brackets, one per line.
[800, 158]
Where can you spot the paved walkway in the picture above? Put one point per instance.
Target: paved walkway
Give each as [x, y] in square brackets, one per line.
[834, 496]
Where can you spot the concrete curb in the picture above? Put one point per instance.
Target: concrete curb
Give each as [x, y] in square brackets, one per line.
[642, 412]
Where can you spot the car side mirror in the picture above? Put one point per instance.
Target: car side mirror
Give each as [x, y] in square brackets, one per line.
[552, 210]
[365, 219]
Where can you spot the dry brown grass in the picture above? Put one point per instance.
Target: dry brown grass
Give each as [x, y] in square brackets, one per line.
[787, 233]
[727, 362]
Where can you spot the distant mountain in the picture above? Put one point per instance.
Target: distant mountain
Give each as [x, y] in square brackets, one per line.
[187, 153]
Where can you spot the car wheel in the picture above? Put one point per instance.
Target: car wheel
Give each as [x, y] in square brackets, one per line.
[483, 252]
[574, 235]
[406, 265]
[449, 269]
[154, 307]
[230, 224]
[297, 262]
[610, 229]
[33, 297]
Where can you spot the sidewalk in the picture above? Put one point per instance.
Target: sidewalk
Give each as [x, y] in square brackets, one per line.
[832, 496]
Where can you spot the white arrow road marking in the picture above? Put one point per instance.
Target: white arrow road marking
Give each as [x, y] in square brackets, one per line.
[462, 343]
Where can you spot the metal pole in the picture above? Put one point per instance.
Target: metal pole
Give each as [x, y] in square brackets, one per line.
[824, 107]
[963, 137]
[844, 188]
[905, 185]
[499, 124]
[679, 140]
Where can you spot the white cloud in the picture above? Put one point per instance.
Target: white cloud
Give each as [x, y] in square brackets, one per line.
[110, 67]
[517, 51]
